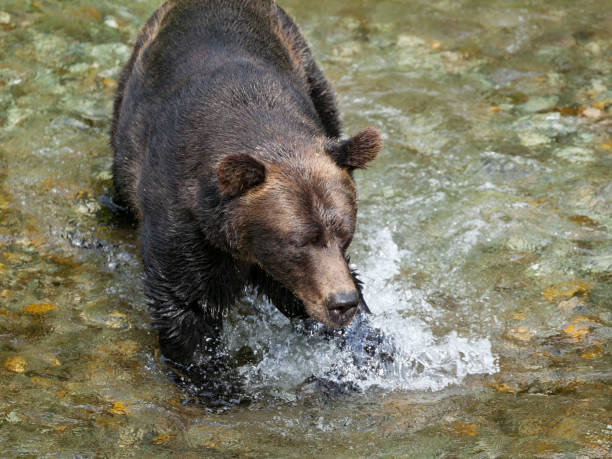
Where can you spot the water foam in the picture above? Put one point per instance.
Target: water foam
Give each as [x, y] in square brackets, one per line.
[390, 349]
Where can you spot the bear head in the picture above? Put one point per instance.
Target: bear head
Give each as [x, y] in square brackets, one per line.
[294, 215]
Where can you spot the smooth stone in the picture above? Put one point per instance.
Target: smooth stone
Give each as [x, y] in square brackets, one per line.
[575, 154]
[539, 104]
[533, 139]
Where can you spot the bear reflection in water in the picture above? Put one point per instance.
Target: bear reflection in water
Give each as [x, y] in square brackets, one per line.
[228, 150]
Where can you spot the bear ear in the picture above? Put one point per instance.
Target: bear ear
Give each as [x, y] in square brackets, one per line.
[358, 151]
[238, 173]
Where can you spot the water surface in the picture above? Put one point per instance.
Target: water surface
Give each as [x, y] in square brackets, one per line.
[484, 240]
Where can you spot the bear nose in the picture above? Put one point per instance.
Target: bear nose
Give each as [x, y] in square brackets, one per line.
[342, 306]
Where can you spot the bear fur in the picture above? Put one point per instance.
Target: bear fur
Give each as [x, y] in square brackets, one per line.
[227, 148]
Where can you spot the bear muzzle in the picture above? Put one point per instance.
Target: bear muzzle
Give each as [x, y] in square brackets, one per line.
[342, 307]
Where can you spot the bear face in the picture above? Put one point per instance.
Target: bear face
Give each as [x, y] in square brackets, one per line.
[296, 219]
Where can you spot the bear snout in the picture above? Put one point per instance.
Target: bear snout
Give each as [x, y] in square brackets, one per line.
[342, 307]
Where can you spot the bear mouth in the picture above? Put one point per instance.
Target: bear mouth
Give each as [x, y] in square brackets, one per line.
[342, 317]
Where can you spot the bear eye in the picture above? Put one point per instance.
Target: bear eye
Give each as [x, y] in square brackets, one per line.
[345, 237]
[308, 239]
[315, 239]
[299, 243]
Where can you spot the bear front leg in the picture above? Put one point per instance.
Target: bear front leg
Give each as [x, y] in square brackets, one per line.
[188, 285]
[187, 334]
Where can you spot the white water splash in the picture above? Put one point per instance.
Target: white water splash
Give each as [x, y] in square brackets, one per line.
[419, 359]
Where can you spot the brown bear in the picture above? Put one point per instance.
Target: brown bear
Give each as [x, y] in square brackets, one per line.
[227, 148]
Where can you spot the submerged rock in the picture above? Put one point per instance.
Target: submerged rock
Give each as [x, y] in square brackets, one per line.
[591, 112]
[575, 154]
[580, 328]
[15, 364]
[520, 333]
[16, 116]
[571, 304]
[5, 18]
[110, 54]
[118, 408]
[566, 290]
[39, 309]
[539, 104]
[533, 139]
[111, 22]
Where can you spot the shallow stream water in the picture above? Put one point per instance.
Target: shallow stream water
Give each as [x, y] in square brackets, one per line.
[484, 240]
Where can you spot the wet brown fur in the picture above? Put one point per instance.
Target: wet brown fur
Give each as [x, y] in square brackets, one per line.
[331, 208]
[129, 174]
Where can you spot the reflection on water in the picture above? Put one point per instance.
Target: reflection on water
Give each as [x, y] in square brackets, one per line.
[484, 241]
